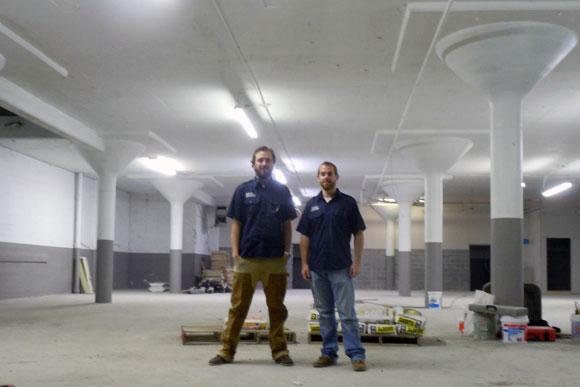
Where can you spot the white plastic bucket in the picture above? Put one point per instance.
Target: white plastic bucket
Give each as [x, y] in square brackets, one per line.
[575, 319]
[435, 300]
[513, 329]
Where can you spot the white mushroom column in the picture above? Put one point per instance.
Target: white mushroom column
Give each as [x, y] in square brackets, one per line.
[505, 61]
[433, 157]
[177, 192]
[405, 192]
[389, 211]
[116, 156]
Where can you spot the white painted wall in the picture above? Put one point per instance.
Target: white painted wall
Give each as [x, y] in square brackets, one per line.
[463, 225]
[37, 202]
[560, 222]
[149, 228]
[532, 250]
[89, 213]
[122, 221]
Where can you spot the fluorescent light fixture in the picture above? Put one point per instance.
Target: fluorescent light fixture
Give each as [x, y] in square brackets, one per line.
[296, 201]
[279, 176]
[557, 189]
[245, 122]
[523, 185]
[165, 165]
[292, 165]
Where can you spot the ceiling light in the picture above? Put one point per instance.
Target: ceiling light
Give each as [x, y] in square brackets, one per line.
[279, 176]
[292, 165]
[296, 201]
[245, 122]
[164, 165]
[557, 189]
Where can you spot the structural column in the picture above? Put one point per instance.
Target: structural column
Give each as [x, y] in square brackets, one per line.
[177, 192]
[389, 211]
[116, 156]
[77, 245]
[433, 157]
[505, 61]
[405, 192]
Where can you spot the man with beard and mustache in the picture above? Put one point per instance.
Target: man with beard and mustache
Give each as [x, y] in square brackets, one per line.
[326, 225]
[261, 210]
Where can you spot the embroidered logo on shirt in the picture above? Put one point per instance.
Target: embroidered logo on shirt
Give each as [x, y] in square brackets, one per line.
[314, 208]
[250, 195]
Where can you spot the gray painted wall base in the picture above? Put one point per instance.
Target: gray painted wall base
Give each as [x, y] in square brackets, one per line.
[29, 270]
[390, 260]
[507, 274]
[433, 269]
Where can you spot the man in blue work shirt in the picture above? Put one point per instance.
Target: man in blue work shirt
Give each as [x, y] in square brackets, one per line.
[261, 210]
[328, 221]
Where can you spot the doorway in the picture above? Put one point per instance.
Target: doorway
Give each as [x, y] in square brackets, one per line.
[558, 252]
[479, 266]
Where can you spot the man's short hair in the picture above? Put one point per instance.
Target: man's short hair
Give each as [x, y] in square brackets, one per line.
[328, 164]
[264, 149]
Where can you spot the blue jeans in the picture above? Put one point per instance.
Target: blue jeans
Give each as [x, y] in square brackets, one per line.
[330, 288]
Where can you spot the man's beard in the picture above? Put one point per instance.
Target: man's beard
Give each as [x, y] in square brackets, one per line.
[327, 185]
[264, 173]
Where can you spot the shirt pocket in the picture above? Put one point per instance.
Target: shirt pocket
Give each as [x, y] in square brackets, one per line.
[315, 219]
[340, 220]
[251, 204]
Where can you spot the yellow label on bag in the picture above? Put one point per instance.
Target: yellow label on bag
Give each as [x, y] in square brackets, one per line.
[411, 330]
[312, 327]
[382, 328]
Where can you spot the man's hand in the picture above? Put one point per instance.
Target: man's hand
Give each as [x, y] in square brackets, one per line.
[305, 272]
[235, 257]
[354, 269]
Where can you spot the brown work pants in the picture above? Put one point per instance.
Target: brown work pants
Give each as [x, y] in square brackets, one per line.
[243, 288]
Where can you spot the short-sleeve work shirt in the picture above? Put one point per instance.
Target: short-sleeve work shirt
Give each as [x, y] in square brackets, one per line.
[262, 212]
[329, 226]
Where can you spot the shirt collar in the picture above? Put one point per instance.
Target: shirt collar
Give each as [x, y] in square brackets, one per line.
[257, 185]
[320, 197]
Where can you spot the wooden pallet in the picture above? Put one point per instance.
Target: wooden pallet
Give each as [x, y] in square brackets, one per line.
[314, 337]
[212, 335]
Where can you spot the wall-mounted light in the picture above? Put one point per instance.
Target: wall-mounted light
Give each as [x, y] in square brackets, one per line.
[557, 189]
[523, 185]
[245, 122]
[165, 165]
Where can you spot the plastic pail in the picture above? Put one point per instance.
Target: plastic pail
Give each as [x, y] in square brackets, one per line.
[435, 300]
[575, 319]
[513, 329]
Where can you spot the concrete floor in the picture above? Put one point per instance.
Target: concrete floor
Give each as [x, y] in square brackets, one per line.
[67, 340]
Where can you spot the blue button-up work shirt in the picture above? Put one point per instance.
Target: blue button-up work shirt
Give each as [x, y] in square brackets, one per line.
[329, 227]
[262, 212]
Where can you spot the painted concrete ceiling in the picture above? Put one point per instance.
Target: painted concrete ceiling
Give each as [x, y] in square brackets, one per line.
[320, 80]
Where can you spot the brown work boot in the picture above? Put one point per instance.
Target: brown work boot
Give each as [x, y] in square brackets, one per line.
[323, 361]
[285, 360]
[359, 365]
[218, 360]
